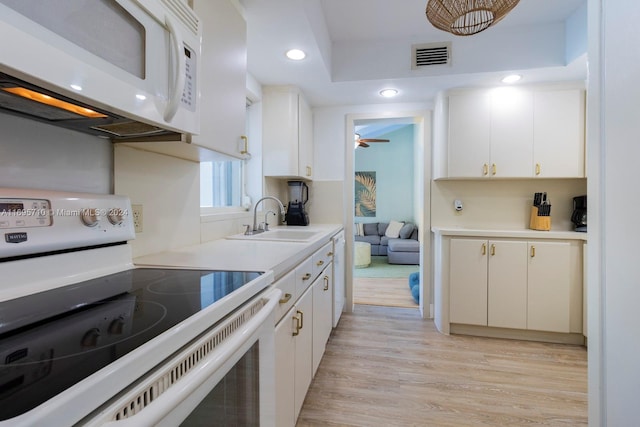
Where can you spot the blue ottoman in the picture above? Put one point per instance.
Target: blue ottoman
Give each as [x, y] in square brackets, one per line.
[414, 281]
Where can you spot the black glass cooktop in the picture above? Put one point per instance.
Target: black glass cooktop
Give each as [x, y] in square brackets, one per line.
[52, 340]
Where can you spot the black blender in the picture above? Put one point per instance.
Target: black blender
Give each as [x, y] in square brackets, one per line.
[298, 197]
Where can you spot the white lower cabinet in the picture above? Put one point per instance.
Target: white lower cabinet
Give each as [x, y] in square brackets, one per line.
[294, 341]
[322, 314]
[511, 284]
[507, 284]
[548, 293]
[302, 333]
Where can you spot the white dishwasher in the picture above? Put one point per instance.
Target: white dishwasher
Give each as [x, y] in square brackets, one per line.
[338, 276]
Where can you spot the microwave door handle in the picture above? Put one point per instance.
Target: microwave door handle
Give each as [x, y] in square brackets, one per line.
[175, 93]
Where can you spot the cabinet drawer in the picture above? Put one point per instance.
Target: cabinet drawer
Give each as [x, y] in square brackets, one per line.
[303, 276]
[322, 258]
[287, 284]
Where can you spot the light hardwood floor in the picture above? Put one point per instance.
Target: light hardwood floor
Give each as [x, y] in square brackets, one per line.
[392, 292]
[386, 366]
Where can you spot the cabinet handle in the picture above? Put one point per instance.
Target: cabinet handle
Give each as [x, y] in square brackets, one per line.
[493, 250]
[537, 168]
[286, 298]
[301, 320]
[326, 283]
[306, 276]
[494, 169]
[319, 263]
[296, 325]
[484, 249]
[330, 253]
[485, 169]
[533, 251]
[245, 141]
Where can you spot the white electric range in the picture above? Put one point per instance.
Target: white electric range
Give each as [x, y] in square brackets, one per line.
[87, 338]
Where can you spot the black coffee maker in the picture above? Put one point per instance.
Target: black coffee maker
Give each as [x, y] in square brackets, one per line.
[298, 197]
[579, 215]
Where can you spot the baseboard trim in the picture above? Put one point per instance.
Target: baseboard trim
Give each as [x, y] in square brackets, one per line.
[518, 334]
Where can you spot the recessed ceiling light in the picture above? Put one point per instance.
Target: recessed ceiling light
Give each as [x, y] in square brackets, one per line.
[296, 54]
[512, 78]
[388, 93]
[141, 97]
[76, 87]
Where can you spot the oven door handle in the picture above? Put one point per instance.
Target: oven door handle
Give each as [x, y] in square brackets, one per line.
[161, 407]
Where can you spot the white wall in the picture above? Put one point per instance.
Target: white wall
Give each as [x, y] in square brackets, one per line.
[329, 130]
[613, 267]
[498, 204]
[393, 163]
[38, 155]
[168, 188]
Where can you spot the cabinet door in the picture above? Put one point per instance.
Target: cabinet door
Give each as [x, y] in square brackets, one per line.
[285, 362]
[549, 286]
[507, 284]
[559, 134]
[469, 135]
[305, 138]
[322, 314]
[223, 83]
[280, 132]
[511, 133]
[303, 371]
[468, 281]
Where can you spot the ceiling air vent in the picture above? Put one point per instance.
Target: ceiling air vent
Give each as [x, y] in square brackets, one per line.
[423, 55]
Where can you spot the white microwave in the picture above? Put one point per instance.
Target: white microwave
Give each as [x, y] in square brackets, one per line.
[134, 63]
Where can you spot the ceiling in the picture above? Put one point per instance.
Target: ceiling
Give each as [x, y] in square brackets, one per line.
[355, 48]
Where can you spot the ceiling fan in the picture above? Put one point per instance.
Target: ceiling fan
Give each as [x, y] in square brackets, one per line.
[363, 142]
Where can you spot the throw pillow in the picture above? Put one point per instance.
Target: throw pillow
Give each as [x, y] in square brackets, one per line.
[370, 228]
[406, 230]
[359, 228]
[393, 230]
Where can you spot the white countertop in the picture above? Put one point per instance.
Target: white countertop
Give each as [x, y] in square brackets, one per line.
[244, 255]
[509, 233]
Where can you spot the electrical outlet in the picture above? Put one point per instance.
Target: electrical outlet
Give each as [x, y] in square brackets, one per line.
[137, 218]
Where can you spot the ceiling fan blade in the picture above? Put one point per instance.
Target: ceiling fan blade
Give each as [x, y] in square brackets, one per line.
[373, 140]
[362, 144]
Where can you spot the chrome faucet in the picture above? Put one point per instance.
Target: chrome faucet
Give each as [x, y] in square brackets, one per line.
[255, 229]
[266, 224]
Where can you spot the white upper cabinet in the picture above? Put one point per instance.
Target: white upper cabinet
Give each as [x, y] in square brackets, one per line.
[287, 138]
[510, 132]
[224, 80]
[558, 144]
[469, 120]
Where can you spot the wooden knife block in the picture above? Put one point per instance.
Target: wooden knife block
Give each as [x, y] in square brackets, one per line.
[542, 223]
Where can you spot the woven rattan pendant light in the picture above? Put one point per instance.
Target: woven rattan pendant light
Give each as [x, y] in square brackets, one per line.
[467, 17]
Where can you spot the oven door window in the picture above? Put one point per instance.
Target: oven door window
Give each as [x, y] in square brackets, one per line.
[235, 401]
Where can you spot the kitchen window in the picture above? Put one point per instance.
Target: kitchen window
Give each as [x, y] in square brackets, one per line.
[221, 183]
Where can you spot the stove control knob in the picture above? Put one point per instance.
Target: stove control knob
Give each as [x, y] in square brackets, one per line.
[116, 326]
[89, 217]
[91, 337]
[115, 216]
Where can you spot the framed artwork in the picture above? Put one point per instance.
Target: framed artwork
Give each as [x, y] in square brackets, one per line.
[365, 194]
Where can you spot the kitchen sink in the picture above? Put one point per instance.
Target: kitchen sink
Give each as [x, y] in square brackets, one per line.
[279, 236]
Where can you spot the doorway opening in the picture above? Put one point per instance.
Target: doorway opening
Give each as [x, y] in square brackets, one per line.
[384, 183]
[387, 206]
